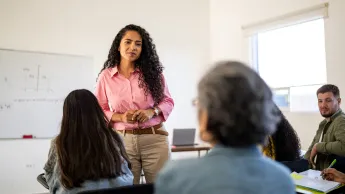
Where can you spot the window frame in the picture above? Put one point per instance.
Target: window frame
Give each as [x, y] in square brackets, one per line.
[254, 58]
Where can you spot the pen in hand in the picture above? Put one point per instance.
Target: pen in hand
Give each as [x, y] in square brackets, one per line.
[330, 166]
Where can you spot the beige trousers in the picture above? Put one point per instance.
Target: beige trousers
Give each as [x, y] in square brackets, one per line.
[147, 152]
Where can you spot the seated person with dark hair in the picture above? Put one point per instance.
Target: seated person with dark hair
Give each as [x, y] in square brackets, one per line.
[329, 141]
[284, 144]
[87, 154]
[236, 113]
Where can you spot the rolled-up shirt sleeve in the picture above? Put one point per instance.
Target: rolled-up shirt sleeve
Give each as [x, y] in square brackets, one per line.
[102, 98]
[336, 147]
[167, 104]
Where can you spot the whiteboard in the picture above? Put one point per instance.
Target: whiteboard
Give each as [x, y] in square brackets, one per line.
[33, 87]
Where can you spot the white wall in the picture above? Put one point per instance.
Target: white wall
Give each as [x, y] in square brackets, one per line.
[227, 42]
[187, 33]
[180, 29]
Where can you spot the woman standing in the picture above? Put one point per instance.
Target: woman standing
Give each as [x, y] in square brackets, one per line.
[134, 95]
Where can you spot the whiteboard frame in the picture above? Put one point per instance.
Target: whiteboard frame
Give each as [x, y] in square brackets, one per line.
[45, 53]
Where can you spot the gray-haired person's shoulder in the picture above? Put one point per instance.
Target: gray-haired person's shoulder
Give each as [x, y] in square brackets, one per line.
[280, 178]
[175, 174]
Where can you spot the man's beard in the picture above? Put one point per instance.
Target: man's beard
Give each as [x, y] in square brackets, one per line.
[327, 115]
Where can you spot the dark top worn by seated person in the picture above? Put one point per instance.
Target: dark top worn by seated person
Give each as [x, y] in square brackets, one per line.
[333, 141]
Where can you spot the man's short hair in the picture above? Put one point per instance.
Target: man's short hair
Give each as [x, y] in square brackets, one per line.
[329, 88]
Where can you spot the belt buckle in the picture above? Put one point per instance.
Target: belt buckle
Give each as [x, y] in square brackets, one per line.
[137, 131]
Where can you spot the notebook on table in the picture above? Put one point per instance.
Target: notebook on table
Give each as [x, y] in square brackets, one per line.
[311, 181]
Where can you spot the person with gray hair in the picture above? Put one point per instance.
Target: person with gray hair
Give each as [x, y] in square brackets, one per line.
[236, 113]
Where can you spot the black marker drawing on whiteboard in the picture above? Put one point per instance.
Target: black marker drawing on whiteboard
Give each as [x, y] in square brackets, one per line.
[34, 82]
[50, 100]
[5, 106]
[29, 79]
[43, 82]
[38, 75]
[6, 82]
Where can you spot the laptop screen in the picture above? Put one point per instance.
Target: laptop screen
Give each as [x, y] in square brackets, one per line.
[183, 137]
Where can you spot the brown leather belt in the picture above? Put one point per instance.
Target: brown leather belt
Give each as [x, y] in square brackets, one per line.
[149, 130]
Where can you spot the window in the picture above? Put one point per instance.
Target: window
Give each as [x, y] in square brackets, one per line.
[281, 97]
[288, 51]
[286, 54]
[292, 60]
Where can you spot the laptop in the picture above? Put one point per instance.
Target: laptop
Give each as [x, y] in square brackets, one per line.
[184, 137]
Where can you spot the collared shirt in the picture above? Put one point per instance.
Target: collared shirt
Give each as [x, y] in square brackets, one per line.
[117, 94]
[330, 139]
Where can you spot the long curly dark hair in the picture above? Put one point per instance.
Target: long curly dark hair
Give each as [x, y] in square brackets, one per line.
[286, 142]
[148, 63]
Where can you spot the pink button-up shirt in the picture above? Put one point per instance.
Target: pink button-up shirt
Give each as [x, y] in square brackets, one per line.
[124, 94]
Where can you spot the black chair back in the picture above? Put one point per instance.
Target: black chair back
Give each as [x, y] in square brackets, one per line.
[42, 180]
[297, 166]
[133, 189]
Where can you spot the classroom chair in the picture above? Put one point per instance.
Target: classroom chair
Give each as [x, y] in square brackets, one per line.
[42, 180]
[297, 166]
[133, 189]
[143, 188]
